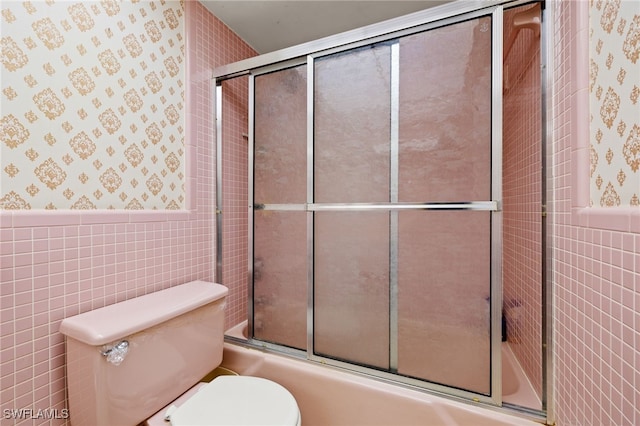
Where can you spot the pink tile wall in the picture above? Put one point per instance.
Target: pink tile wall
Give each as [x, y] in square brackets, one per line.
[235, 197]
[596, 257]
[522, 219]
[55, 264]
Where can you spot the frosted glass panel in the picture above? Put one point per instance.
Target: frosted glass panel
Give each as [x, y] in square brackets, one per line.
[351, 287]
[444, 286]
[280, 260]
[280, 278]
[445, 114]
[437, 263]
[351, 120]
[281, 137]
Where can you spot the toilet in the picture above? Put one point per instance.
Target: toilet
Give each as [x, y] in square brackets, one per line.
[142, 361]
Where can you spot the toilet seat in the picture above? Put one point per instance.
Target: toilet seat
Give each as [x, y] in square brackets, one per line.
[238, 400]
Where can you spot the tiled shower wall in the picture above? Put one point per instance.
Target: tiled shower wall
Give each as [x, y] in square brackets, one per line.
[57, 264]
[235, 197]
[522, 218]
[596, 253]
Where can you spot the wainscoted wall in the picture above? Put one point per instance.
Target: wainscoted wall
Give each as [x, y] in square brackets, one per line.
[614, 102]
[596, 250]
[92, 105]
[56, 264]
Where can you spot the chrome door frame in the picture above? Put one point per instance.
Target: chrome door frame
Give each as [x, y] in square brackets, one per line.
[388, 30]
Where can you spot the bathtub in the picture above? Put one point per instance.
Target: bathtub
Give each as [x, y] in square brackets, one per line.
[329, 396]
[516, 387]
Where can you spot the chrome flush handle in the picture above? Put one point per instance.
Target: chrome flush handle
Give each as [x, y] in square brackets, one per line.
[116, 353]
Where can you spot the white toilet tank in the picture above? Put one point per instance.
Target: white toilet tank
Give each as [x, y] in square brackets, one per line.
[128, 360]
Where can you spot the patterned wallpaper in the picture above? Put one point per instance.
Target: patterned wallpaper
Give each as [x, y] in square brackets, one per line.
[92, 105]
[614, 87]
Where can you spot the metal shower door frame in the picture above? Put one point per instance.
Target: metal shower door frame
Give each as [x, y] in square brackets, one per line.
[394, 206]
[386, 31]
[495, 397]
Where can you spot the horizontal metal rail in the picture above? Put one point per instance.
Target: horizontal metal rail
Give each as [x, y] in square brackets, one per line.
[320, 207]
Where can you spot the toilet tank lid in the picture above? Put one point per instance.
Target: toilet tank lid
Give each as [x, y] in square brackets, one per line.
[114, 322]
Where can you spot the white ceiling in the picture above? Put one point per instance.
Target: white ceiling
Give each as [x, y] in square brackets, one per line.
[270, 25]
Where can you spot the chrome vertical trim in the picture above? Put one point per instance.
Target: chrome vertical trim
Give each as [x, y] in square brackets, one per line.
[393, 215]
[310, 184]
[497, 20]
[250, 218]
[218, 212]
[547, 66]
[395, 117]
[310, 126]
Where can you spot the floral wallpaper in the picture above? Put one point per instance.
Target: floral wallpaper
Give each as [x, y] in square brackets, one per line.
[92, 105]
[614, 86]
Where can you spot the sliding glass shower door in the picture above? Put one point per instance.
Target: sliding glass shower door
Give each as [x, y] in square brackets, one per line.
[376, 173]
[445, 152]
[351, 165]
[279, 218]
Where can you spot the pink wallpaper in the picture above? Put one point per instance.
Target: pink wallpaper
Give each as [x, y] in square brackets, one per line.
[58, 264]
[596, 256]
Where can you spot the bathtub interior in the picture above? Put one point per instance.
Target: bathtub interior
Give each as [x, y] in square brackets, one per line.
[517, 390]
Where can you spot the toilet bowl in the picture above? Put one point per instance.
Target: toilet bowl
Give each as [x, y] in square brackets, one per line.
[232, 400]
[132, 359]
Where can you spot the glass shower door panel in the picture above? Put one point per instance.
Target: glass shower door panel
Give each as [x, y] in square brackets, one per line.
[280, 137]
[280, 278]
[352, 126]
[444, 155]
[351, 287]
[445, 114]
[444, 287]
[280, 173]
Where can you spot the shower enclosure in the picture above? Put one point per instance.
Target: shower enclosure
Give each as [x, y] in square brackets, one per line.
[374, 164]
